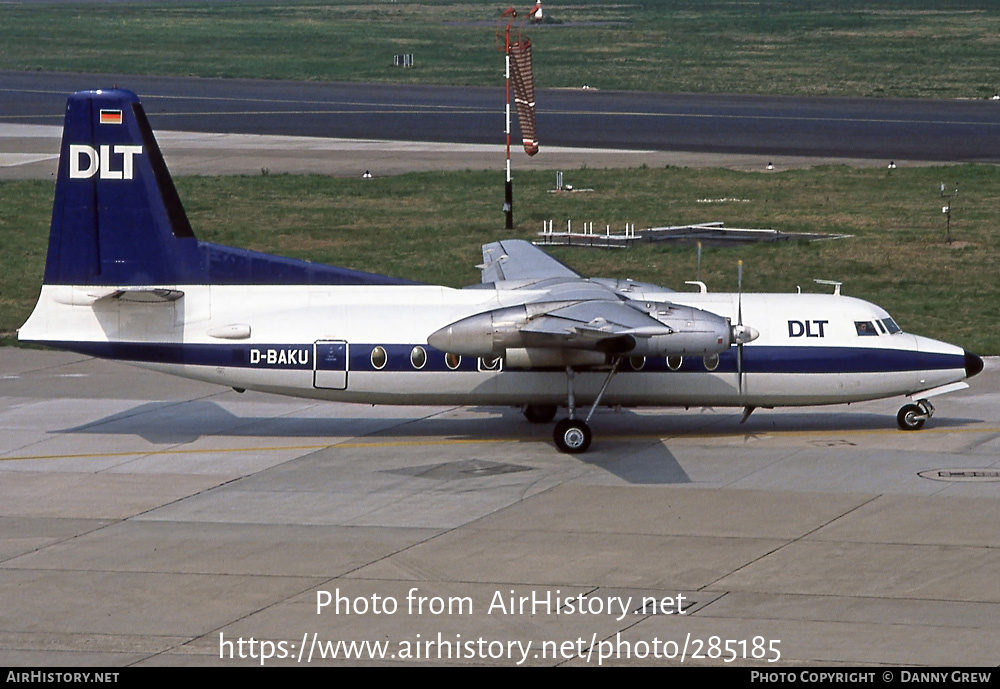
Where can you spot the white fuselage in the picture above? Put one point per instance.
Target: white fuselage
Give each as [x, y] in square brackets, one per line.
[327, 342]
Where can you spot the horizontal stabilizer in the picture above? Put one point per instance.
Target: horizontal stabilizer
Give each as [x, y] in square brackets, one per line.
[146, 295]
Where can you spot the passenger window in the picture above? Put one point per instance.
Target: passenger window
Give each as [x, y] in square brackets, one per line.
[418, 357]
[865, 328]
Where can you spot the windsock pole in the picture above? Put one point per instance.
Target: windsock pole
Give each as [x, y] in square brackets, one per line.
[508, 203]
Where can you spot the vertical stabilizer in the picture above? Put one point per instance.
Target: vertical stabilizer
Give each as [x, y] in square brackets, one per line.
[117, 219]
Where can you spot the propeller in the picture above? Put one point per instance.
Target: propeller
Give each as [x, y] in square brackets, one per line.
[739, 323]
[741, 333]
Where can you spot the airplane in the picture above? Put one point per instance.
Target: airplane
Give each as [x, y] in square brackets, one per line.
[126, 278]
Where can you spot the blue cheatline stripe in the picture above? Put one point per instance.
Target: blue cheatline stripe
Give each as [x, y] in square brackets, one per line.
[760, 359]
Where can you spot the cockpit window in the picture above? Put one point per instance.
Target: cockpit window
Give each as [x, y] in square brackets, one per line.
[865, 328]
[891, 326]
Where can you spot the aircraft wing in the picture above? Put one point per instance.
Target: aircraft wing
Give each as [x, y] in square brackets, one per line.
[516, 259]
[599, 318]
[610, 326]
[568, 312]
[601, 325]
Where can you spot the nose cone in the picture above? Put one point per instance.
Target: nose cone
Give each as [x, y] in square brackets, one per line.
[744, 333]
[973, 364]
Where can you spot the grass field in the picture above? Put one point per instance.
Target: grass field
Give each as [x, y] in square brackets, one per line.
[918, 48]
[429, 227]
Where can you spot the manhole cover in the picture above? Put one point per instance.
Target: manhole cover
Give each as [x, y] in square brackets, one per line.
[961, 474]
[832, 443]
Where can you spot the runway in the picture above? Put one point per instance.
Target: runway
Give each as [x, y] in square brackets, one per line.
[760, 126]
[232, 126]
[149, 520]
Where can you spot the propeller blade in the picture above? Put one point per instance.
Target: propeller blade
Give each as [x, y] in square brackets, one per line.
[739, 365]
[739, 324]
[739, 293]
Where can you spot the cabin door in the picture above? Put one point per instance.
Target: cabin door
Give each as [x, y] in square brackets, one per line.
[330, 364]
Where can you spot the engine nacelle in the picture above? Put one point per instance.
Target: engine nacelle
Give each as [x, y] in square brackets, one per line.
[693, 333]
[671, 330]
[484, 334]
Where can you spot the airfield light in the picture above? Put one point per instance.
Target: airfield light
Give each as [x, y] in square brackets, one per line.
[947, 211]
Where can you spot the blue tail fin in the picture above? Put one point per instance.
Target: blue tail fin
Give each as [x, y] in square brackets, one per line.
[117, 218]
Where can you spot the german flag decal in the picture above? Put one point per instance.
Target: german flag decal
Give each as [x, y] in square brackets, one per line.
[111, 116]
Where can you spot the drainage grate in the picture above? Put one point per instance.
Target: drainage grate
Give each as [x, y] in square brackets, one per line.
[961, 474]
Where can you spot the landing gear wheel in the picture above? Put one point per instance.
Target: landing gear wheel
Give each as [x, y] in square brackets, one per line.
[911, 417]
[572, 436]
[539, 413]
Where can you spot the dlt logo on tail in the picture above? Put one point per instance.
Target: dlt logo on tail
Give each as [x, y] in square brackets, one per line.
[100, 162]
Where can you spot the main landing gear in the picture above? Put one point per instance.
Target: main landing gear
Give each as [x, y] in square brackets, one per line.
[539, 413]
[572, 435]
[911, 417]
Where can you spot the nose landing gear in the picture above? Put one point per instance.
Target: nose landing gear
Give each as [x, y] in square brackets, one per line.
[911, 417]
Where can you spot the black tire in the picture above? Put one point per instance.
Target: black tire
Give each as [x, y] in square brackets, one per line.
[572, 436]
[540, 413]
[910, 418]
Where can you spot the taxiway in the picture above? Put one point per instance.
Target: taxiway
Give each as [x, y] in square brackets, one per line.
[149, 520]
